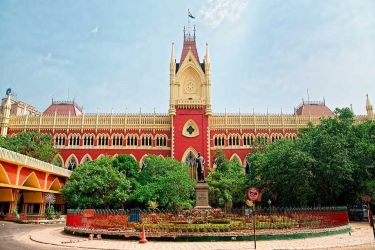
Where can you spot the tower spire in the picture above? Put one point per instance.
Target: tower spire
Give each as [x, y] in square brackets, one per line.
[172, 53]
[6, 116]
[207, 56]
[370, 113]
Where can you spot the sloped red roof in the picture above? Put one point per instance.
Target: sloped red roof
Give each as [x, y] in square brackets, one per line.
[313, 109]
[189, 44]
[63, 108]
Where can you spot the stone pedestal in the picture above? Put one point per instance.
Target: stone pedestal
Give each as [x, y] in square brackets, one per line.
[201, 196]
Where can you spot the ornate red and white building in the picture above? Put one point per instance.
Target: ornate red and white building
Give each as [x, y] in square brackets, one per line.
[189, 127]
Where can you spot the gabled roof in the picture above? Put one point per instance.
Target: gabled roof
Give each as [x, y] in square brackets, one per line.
[63, 108]
[189, 44]
[313, 109]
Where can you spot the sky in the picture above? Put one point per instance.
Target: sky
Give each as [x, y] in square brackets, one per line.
[114, 55]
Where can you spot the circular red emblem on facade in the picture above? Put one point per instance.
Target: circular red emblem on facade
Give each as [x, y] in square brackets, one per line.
[253, 194]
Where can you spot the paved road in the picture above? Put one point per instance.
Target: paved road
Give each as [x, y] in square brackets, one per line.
[14, 236]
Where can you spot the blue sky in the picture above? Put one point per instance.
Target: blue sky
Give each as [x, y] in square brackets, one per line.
[115, 54]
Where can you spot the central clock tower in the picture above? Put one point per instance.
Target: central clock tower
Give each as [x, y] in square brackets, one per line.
[190, 102]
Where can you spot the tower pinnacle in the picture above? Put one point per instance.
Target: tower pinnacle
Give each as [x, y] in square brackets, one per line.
[207, 56]
[370, 113]
[172, 53]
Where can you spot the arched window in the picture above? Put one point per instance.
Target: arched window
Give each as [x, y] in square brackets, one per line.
[248, 139]
[234, 140]
[132, 140]
[74, 140]
[103, 140]
[236, 158]
[290, 137]
[88, 140]
[161, 140]
[57, 161]
[117, 140]
[142, 163]
[247, 166]
[276, 137]
[219, 140]
[190, 159]
[60, 140]
[146, 140]
[85, 159]
[72, 163]
[262, 138]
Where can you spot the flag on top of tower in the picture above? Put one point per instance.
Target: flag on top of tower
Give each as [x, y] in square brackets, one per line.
[190, 15]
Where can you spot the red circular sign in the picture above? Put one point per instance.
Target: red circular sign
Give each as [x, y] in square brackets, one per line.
[366, 198]
[253, 194]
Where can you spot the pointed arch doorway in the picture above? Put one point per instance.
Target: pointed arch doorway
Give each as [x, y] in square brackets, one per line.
[189, 158]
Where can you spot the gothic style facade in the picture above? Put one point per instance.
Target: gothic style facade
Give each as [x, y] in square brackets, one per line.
[189, 127]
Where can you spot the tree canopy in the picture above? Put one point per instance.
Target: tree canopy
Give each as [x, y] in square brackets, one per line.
[96, 184]
[332, 163]
[167, 182]
[226, 182]
[116, 183]
[32, 144]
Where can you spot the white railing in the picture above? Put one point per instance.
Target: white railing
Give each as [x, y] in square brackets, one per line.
[27, 161]
[92, 121]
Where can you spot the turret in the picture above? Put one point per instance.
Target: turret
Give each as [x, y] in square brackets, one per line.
[172, 64]
[207, 57]
[6, 115]
[172, 80]
[370, 113]
[207, 70]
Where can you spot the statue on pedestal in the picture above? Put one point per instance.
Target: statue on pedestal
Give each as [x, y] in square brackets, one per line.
[200, 168]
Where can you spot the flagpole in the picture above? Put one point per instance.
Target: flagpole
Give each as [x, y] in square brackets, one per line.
[188, 22]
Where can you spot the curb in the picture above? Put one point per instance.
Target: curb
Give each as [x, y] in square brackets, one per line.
[215, 238]
[348, 247]
[63, 245]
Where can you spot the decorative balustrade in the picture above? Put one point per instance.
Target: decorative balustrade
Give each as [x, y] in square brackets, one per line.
[162, 121]
[92, 121]
[256, 121]
[24, 160]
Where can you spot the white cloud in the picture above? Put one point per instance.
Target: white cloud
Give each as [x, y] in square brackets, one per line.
[216, 12]
[94, 30]
[53, 60]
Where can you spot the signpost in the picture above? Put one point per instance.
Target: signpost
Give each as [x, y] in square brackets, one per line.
[253, 194]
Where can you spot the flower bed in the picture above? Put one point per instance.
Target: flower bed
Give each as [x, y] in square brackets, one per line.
[204, 222]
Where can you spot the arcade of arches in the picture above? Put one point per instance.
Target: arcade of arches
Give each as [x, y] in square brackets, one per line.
[25, 181]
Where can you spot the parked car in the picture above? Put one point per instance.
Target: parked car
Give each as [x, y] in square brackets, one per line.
[358, 212]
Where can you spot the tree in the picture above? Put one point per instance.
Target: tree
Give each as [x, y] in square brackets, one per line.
[332, 163]
[284, 173]
[226, 182]
[127, 165]
[165, 181]
[329, 144]
[96, 184]
[32, 144]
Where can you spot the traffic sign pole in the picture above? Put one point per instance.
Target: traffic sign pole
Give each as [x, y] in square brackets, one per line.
[254, 227]
[253, 194]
